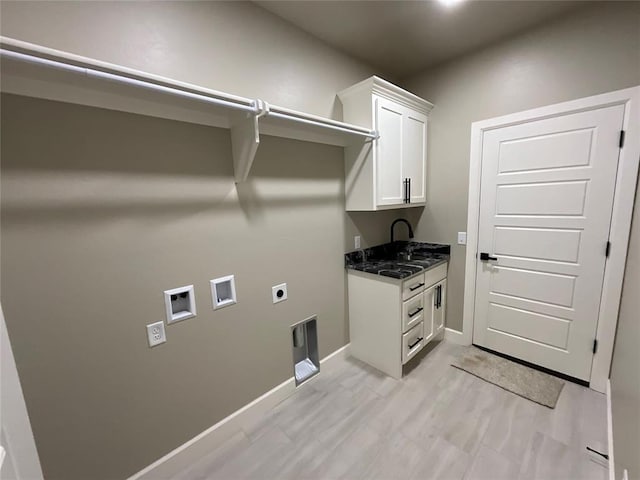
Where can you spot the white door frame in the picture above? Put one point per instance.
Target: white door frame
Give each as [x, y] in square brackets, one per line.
[22, 459]
[620, 221]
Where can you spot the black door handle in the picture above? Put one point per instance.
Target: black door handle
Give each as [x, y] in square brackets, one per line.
[485, 257]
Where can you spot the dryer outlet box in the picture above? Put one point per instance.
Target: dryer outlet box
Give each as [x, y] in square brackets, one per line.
[279, 293]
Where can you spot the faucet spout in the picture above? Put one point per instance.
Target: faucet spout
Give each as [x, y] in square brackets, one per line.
[401, 220]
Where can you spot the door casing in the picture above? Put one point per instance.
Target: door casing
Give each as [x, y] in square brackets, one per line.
[623, 202]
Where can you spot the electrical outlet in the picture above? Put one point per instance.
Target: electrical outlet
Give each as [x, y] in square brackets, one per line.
[356, 242]
[462, 238]
[279, 293]
[155, 334]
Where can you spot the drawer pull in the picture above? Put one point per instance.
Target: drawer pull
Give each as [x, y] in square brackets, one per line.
[415, 343]
[416, 287]
[413, 314]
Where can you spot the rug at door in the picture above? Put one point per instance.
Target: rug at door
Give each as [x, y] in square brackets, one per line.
[527, 382]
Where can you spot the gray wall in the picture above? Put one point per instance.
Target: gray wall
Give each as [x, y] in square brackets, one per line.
[236, 47]
[102, 211]
[592, 51]
[625, 376]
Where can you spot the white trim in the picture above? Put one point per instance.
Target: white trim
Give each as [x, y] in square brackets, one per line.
[620, 220]
[190, 451]
[218, 303]
[176, 317]
[22, 455]
[388, 90]
[455, 336]
[612, 470]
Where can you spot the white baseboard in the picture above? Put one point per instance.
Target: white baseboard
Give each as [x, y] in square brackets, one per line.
[184, 455]
[612, 469]
[454, 336]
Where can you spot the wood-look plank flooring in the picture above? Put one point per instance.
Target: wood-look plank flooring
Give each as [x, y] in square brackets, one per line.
[438, 422]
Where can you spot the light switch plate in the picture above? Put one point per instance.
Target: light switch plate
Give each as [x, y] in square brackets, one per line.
[279, 293]
[462, 238]
[155, 334]
[356, 242]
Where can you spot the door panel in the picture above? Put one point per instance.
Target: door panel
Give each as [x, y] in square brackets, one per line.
[537, 243]
[429, 312]
[415, 146]
[530, 325]
[439, 312]
[562, 150]
[544, 287]
[545, 208]
[558, 198]
[389, 151]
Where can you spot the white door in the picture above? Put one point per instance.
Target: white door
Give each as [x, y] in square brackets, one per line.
[389, 151]
[415, 152]
[546, 199]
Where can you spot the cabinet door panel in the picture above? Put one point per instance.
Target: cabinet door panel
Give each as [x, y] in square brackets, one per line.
[428, 312]
[389, 152]
[439, 309]
[414, 154]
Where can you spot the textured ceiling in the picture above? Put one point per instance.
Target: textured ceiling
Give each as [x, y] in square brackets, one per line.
[403, 37]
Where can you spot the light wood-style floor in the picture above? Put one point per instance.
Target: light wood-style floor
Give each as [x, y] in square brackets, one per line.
[436, 423]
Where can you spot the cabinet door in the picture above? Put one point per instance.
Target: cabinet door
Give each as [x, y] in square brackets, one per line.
[415, 154]
[388, 152]
[428, 312]
[440, 296]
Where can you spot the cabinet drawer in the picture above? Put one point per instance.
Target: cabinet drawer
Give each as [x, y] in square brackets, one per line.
[435, 275]
[412, 342]
[412, 312]
[412, 286]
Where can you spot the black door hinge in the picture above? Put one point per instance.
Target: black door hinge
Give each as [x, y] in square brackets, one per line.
[595, 345]
[621, 141]
[608, 249]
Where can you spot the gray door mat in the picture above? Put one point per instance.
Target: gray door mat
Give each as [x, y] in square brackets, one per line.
[527, 382]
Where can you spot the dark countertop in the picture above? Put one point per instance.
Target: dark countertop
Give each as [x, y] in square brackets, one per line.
[398, 259]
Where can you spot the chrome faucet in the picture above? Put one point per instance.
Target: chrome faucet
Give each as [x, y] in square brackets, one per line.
[403, 221]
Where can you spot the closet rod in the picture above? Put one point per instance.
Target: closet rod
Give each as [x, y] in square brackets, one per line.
[253, 108]
[369, 134]
[125, 80]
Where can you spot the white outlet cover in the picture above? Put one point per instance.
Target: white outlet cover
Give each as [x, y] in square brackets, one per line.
[155, 334]
[462, 238]
[279, 293]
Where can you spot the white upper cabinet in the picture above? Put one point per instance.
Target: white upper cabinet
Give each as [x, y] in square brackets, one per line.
[389, 172]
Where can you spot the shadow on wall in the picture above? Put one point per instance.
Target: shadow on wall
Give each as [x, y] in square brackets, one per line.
[90, 176]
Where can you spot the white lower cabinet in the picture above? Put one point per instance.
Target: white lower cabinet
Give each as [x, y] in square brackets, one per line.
[391, 320]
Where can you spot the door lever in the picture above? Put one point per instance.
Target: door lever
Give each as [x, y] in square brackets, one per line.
[485, 257]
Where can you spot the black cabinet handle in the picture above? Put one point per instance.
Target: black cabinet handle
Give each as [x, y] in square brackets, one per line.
[485, 257]
[413, 314]
[439, 296]
[416, 343]
[416, 287]
[409, 195]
